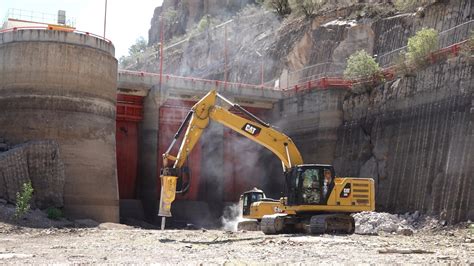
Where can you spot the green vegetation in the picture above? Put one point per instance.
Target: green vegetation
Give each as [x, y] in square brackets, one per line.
[23, 199]
[134, 53]
[281, 7]
[361, 64]
[54, 213]
[306, 7]
[466, 50]
[419, 46]
[137, 48]
[204, 23]
[170, 15]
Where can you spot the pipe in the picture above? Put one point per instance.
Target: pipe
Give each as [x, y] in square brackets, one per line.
[256, 119]
[288, 154]
[180, 129]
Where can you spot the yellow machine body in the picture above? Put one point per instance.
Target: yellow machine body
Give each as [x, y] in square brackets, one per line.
[330, 212]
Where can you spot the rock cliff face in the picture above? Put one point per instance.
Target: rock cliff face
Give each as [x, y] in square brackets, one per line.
[181, 16]
[415, 137]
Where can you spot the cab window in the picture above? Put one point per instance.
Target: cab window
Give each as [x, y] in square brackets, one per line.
[311, 187]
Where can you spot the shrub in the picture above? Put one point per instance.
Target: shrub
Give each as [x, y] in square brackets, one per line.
[401, 65]
[170, 15]
[23, 199]
[204, 23]
[361, 64]
[281, 7]
[466, 50]
[138, 47]
[419, 46]
[306, 7]
[54, 213]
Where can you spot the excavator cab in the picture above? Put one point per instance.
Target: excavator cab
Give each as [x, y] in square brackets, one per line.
[309, 184]
[249, 197]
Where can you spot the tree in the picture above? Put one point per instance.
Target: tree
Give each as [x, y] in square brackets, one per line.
[306, 7]
[138, 47]
[282, 7]
[419, 46]
[361, 64]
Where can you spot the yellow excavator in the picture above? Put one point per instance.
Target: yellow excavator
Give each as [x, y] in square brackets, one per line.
[315, 201]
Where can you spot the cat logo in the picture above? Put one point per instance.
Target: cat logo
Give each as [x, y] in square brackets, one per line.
[251, 129]
[346, 191]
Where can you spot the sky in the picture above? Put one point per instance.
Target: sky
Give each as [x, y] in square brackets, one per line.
[126, 20]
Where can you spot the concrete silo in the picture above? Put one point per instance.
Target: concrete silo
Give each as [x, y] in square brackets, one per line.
[62, 86]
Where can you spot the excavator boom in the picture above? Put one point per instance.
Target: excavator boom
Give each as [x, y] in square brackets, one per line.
[257, 130]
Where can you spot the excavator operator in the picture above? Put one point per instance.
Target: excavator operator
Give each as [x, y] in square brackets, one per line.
[311, 187]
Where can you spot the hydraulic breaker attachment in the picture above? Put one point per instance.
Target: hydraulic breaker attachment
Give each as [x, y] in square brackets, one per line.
[168, 194]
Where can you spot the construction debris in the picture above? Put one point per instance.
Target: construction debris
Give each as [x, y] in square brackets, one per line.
[374, 223]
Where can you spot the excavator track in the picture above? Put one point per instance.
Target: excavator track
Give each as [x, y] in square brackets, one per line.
[248, 226]
[332, 223]
[272, 224]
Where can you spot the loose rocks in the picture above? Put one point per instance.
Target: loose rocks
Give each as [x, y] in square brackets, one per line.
[371, 223]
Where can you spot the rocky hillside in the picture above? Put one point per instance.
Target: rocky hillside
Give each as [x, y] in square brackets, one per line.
[200, 43]
[181, 16]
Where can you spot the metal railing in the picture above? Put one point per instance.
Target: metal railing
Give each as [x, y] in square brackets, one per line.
[217, 83]
[314, 72]
[35, 16]
[55, 28]
[322, 81]
[446, 38]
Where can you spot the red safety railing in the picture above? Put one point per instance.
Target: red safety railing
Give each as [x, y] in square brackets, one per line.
[56, 28]
[386, 74]
[446, 52]
[321, 83]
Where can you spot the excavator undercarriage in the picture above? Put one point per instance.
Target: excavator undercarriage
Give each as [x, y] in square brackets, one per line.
[316, 224]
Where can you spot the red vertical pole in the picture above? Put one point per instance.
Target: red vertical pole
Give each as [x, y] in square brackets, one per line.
[161, 48]
[163, 219]
[225, 56]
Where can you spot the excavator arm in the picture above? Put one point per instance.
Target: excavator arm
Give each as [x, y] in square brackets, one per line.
[257, 130]
[198, 117]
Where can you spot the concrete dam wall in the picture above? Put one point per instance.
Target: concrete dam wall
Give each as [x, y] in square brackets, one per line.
[62, 86]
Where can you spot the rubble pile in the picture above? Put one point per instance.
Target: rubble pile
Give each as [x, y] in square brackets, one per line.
[372, 223]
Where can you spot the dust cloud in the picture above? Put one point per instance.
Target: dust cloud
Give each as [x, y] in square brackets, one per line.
[231, 217]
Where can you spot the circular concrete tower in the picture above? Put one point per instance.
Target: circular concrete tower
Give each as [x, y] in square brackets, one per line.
[61, 86]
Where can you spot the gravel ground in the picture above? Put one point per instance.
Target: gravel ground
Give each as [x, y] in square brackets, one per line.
[116, 243]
